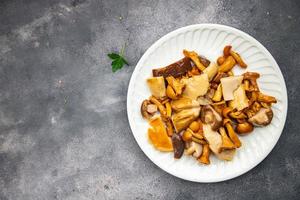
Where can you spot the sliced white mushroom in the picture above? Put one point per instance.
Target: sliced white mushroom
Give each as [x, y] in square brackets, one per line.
[196, 86]
[229, 85]
[240, 100]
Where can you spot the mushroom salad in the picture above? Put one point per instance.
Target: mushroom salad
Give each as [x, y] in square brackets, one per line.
[198, 107]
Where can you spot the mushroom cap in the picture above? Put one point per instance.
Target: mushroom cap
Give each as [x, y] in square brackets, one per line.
[210, 116]
[262, 118]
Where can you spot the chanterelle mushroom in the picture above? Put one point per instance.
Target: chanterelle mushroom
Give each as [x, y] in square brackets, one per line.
[252, 76]
[210, 116]
[262, 118]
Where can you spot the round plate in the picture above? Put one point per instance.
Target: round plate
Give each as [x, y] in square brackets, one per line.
[209, 40]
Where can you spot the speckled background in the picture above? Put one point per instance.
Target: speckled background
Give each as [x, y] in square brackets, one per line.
[64, 129]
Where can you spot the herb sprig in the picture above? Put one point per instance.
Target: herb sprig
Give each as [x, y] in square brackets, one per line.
[118, 60]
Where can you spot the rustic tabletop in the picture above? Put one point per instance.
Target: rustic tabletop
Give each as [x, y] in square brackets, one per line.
[63, 121]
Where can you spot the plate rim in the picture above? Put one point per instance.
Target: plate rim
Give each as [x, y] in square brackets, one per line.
[250, 38]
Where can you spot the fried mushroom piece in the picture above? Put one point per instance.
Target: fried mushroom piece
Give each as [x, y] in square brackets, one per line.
[211, 70]
[238, 59]
[244, 128]
[226, 142]
[184, 103]
[227, 65]
[148, 109]
[178, 145]
[194, 149]
[176, 69]
[266, 98]
[252, 77]
[181, 120]
[214, 140]
[195, 58]
[204, 158]
[159, 105]
[211, 117]
[231, 133]
[157, 86]
[262, 118]
[204, 61]
[175, 84]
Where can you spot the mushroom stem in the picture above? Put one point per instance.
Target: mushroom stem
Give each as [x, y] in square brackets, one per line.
[252, 76]
[195, 58]
[227, 65]
[168, 109]
[232, 135]
[204, 158]
[226, 142]
[160, 107]
[169, 127]
[218, 94]
[226, 111]
[238, 59]
[200, 141]
[266, 98]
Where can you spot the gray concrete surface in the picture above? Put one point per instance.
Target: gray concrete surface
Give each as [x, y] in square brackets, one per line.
[64, 132]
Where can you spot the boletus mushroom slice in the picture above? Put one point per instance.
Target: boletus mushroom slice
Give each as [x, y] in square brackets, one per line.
[176, 69]
[148, 109]
[262, 118]
[178, 145]
[211, 117]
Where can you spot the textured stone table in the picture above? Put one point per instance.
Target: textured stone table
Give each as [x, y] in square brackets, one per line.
[64, 129]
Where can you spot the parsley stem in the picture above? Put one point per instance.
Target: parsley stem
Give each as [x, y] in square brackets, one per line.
[123, 49]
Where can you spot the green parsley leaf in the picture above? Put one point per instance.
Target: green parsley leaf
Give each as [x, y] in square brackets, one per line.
[113, 56]
[118, 61]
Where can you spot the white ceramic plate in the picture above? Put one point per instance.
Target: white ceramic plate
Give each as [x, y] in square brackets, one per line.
[208, 40]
